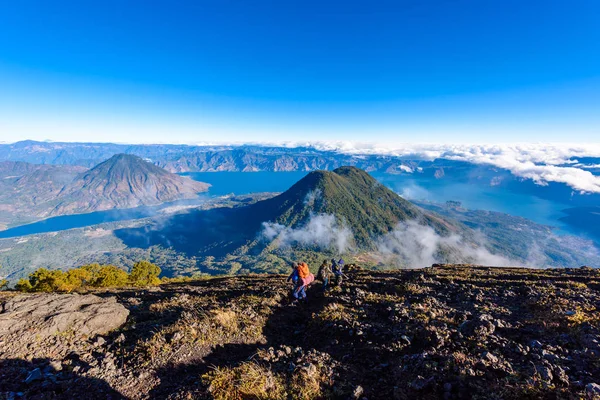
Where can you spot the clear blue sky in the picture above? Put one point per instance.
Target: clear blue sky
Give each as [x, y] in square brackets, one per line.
[404, 71]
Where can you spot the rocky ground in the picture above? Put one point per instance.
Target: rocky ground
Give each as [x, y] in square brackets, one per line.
[448, 332]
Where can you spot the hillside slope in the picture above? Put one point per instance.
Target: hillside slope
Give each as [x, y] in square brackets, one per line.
[30, 192]
[351, 195]
[124, 181]
[444, 332]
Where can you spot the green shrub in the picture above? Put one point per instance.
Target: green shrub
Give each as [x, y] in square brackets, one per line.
[110, 276]
[44, 280]
[74, 279]
[3, 284]
[144, 273]
[23, 285]
[93, 270]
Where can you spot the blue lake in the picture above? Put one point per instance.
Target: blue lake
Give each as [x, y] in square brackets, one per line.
[477, 197]
[412, 187]
[65, 222]
[224, 183]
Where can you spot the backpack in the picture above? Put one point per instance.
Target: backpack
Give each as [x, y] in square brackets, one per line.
[338, 268]
[308, 280]
[303, 270]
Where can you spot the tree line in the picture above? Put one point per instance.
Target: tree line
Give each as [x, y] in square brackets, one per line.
[143, 273]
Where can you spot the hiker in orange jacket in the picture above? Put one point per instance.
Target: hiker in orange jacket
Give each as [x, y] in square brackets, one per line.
[305, 278]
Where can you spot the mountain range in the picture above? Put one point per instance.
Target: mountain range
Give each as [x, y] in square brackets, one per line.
[243, 158]
[31, 192]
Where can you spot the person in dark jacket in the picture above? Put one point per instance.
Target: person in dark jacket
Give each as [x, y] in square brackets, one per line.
[324, 274]
[337, 269]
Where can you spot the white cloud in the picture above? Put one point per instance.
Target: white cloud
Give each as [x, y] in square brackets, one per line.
[540, 162]
[416, 246]
[311, 197]
[322, 231]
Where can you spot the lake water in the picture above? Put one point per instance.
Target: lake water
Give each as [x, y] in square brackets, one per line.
[477, 197]
[224, 183]
[473, 196]
[65, 222]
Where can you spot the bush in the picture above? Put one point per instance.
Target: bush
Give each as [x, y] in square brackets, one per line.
[144, 273]
[3, 284]
[74, 279]
[23, 285]
[93, 270]
[44, 280]
[110, 276]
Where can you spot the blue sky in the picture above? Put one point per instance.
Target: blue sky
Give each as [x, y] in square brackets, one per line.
[392, 71]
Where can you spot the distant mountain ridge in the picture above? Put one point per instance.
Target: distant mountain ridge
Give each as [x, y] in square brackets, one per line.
[31, 192]
[190, 158]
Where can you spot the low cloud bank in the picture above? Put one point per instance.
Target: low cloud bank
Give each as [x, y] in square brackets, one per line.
[322, 231]
[414, 246]
[542, 163]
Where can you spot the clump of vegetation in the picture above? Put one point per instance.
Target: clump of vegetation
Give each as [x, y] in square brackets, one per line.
[335, 312]
[583, 315]
[248, 380]
[410, 288]
[226, 319]
[255, 381]
[143, 273]
[306, 382]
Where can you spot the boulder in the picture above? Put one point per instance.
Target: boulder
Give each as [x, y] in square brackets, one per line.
[27, 321]
[480, 327]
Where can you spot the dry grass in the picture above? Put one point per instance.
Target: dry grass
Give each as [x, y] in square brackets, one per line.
[246, 381]
[373, 297]
[582, 316]
[251, 380]
[198, 328]
[306, 383]
[335, 312]
[226, 319]
[411, 288]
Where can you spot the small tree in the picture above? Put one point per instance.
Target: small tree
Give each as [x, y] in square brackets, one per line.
[74, 279]
[23, 285]
[93, 270]
[44, 280]
[144, 273]
[110, 276]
